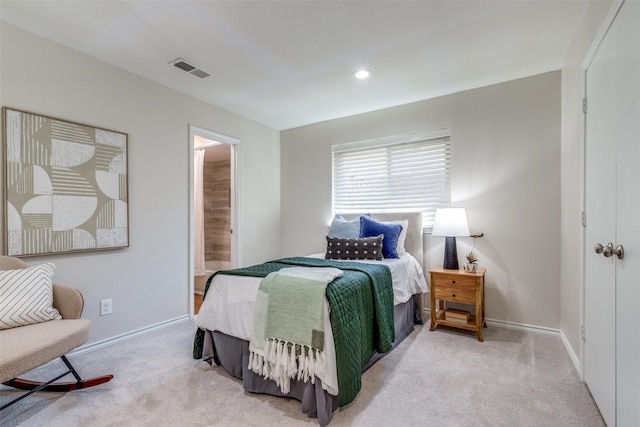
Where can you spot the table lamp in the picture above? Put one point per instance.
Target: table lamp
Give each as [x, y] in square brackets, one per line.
[450, 222]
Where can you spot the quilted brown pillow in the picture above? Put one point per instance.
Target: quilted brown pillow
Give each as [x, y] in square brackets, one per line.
[362, 248]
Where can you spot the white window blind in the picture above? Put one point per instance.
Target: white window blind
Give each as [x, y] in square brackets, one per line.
[399, 174]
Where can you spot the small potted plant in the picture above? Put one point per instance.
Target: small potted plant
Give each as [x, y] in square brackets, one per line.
[471, 264]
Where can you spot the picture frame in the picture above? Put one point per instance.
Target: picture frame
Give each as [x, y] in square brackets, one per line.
[65, 186]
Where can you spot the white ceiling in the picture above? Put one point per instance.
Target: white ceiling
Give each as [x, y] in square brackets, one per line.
[288, 64]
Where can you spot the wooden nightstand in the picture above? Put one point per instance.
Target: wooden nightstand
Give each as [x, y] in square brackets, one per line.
[460, 287]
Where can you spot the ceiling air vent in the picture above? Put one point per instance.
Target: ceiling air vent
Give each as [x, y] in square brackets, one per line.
[185, 66]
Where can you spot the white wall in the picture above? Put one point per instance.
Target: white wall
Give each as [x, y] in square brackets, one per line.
[572, 173]
[148, 280]
[506, 173]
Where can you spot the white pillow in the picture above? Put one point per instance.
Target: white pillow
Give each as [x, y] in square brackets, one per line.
[403, 235]
[26, 296]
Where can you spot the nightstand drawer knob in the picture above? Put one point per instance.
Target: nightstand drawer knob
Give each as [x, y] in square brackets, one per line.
[453, 295]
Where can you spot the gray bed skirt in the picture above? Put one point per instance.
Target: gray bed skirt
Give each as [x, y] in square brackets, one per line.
[233, 355]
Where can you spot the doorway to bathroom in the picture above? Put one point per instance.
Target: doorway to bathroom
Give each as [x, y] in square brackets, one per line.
[214, 209]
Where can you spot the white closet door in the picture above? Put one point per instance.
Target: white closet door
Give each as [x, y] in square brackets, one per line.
[628, 217]
[612, 198]
[600, 201]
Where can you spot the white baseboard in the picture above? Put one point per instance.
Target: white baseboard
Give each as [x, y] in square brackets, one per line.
[572, 354]
[494, 322]
[534, 329]
[128, 335]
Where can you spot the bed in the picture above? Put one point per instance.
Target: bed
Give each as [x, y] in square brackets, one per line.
[368, 310]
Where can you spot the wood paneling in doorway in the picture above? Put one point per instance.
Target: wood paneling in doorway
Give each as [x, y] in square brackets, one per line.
[217, 210]
[197, 302]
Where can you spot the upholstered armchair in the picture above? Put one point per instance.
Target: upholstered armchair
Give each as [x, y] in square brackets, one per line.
[39, 322]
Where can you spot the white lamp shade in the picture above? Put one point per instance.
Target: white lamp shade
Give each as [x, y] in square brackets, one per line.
[451, 222]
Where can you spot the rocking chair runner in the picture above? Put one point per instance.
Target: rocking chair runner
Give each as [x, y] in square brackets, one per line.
[24, 348]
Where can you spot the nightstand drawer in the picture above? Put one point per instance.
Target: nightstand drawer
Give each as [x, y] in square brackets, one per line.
[455, 281]
[465, 296]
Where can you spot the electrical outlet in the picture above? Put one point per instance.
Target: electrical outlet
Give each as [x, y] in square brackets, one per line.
[106, 306]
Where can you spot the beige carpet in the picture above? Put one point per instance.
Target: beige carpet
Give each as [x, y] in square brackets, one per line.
[440, 378]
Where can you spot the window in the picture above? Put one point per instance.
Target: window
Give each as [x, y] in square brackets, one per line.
[395, 174]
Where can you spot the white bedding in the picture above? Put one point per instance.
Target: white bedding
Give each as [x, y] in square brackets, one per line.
[228, 306]
[406, 274]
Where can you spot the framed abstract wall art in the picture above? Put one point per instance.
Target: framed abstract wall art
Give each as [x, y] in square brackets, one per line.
[65, 186]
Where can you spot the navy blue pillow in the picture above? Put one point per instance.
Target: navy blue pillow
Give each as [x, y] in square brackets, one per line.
[391, 232]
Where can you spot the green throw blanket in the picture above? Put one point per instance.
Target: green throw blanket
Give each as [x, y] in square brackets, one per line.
[361, 315]
[288, 325]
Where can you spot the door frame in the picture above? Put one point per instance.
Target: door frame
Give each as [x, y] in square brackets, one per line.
[234, 144]
[586, 63]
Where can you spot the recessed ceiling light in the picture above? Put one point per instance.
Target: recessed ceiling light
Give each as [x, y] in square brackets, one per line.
[362, 74]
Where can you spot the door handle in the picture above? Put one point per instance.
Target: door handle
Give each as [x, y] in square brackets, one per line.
[608, 250]
[619, 251]
[604, 250]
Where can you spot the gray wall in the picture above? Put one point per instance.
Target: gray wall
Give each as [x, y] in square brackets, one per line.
[148, 281]
[508, 162]
[506, 173]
